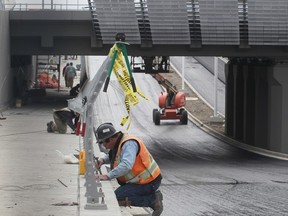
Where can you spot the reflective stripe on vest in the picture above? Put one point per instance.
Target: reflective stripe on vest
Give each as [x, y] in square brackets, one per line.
[145, 168]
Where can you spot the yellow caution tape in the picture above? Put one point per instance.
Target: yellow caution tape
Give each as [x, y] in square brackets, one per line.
[125, 83]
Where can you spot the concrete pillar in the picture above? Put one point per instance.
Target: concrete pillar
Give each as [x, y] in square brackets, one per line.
[257, 103]
[247, 101]
[261, 107]
[278, 109]
[6, 90]
[229, 91]
[234, 101]
[249, 105]
[238, 103]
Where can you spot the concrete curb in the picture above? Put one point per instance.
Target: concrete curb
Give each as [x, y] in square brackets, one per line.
[236, 143]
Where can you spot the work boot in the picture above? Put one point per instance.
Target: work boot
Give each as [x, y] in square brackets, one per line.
[157, 204]
[125, 202]
[49, 127]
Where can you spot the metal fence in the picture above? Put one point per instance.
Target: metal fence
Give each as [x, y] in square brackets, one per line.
[45, 6]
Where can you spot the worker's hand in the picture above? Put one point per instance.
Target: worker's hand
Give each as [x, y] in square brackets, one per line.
[99, 163]
[102, 177]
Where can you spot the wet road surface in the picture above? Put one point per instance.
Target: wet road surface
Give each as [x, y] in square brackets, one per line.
[202, 175]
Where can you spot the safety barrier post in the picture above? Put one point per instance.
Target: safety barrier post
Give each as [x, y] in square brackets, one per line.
[92, 185]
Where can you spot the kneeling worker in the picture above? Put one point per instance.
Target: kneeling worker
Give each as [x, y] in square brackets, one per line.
[134, 168]
[62, 118]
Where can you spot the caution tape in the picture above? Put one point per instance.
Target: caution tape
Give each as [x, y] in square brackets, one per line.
[125, 83]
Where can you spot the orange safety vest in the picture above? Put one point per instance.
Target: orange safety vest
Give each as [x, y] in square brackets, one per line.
[145, 168]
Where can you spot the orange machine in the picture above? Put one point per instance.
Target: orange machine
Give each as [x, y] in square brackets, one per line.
[171, 103]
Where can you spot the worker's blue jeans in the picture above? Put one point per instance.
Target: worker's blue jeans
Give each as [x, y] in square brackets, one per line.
[142, 195]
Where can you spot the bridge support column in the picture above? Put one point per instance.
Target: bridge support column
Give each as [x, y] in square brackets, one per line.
[234, 101]
[278, 108]
[260, 108]
[249, 104]
[257, 103]
[229, 99]
[238, 103]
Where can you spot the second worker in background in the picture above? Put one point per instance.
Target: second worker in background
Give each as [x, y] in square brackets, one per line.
[70, 73]
[62, 118]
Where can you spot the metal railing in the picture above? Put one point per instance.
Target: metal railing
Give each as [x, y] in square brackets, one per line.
[51, 6]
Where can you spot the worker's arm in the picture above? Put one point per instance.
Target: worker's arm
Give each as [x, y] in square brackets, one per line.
[127, 160]
[104, 159]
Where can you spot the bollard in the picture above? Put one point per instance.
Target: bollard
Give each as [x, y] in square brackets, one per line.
[82, 162]
[78, 128]
[83, 129]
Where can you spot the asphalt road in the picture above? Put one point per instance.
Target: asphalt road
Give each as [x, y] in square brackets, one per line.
[202, 175]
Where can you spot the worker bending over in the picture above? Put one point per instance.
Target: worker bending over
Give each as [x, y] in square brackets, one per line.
[62, 118]
[134, 168]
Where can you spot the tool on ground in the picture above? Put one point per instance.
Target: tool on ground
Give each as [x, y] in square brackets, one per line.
[65, 204]
[2, 117]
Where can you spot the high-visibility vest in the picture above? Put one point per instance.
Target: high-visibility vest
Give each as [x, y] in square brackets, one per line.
[145, 168]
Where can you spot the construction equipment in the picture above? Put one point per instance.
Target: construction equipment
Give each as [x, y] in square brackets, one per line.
[171, 103]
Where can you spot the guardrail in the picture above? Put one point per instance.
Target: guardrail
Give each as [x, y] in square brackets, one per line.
[51, 6]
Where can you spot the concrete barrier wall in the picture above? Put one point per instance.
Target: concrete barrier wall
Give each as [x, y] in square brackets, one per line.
[208, 63]
[6, 80]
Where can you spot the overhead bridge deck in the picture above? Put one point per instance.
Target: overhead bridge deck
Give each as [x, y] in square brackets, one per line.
[190, 28]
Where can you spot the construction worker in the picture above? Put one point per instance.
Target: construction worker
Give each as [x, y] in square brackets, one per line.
[164, 62]
[133, 166]
[170, 99]
[70, 73]
[64, 74]
[62, 118]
